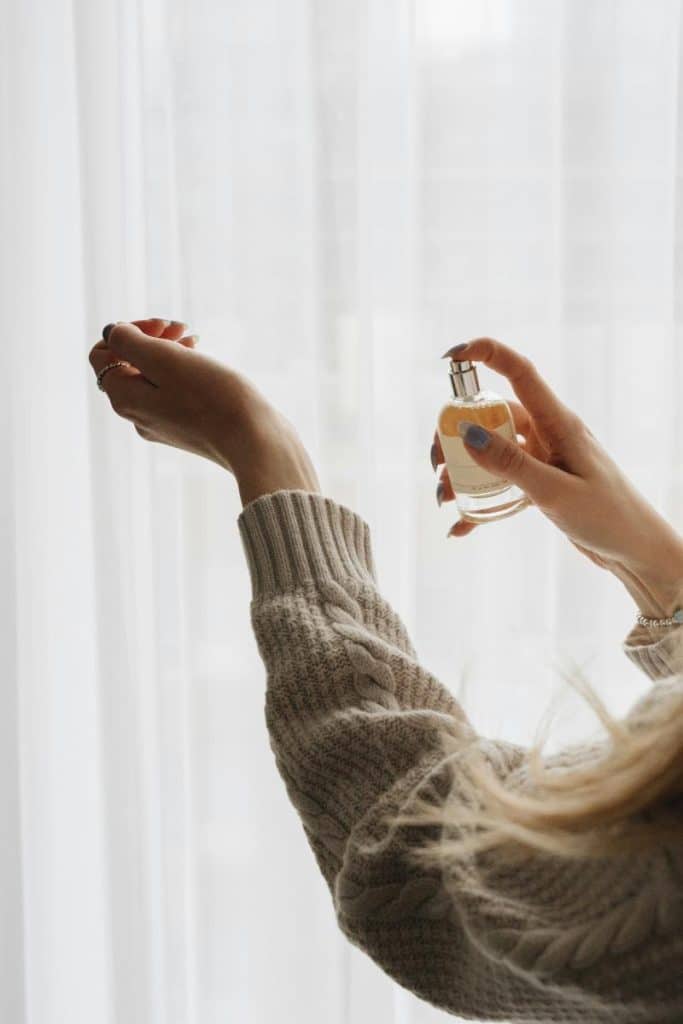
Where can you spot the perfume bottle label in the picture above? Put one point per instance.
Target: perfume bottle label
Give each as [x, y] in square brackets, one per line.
[465, 475]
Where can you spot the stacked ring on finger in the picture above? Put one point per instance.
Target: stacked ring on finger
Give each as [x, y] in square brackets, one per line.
[109, 366]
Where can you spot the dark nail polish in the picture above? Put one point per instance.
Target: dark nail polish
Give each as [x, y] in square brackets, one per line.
[433, 457]
[455, 349]
[439, 493]
[474, 435]
[105, 331]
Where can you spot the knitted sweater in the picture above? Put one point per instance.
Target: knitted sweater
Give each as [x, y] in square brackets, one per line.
[354, 721]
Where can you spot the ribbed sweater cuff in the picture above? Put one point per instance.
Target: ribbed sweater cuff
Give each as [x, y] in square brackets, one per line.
[659, 657]
[291, 536]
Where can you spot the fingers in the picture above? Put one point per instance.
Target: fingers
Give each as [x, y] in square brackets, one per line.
[461, 528]
[541, 482]
[524, 426]
[520, 417]
[155, 327]
[446, 493]
[444, 488]
[100, 356]
[436, 453]
[516, 461]
[154, 357]
[142, 345]
[172, 330]
[552, 417]
[107, 357]
[128, 390]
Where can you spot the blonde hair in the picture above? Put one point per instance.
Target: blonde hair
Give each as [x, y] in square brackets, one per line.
[621, 800]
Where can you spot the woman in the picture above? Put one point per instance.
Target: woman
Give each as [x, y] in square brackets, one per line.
[490, 882]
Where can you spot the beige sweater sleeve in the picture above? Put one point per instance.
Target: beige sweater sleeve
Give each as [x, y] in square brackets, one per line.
[657, 650]
[354, 721]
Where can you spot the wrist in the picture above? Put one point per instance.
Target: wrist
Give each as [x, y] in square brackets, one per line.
[657, 591]
[264, 453]
[659, 599]
[282, 465]
[255, 485]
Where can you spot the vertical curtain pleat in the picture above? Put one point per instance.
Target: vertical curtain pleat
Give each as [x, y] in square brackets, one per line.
[60, 947]
[12, 899]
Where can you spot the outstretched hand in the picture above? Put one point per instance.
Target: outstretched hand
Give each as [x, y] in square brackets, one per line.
[564, 470]
[177, 396]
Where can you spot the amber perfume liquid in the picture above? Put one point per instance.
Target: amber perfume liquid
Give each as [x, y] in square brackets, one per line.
[480, 496]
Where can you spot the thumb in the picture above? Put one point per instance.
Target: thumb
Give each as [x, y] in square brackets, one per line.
[152, 356]
[505, 458]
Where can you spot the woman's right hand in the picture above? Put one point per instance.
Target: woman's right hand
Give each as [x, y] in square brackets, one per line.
[568, 475]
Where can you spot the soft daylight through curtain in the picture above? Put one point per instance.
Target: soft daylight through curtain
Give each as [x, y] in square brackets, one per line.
[331, 194]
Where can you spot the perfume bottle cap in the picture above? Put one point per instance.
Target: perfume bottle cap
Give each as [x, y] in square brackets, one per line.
[464, 379]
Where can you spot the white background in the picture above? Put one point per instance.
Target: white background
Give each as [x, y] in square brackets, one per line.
[331, 194]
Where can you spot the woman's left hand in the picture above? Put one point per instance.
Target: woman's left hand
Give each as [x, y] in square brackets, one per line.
[178, 396]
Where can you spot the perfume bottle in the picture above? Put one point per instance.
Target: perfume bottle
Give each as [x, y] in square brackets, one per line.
[479, 495]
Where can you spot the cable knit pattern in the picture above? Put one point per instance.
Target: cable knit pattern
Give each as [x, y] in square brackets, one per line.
[354, 722]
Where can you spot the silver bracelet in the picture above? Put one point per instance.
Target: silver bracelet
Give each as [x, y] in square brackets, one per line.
[675, 620]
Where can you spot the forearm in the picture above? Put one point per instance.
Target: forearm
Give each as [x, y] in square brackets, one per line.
[272, 459]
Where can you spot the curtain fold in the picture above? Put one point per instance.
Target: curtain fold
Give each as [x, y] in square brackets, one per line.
[331, 195]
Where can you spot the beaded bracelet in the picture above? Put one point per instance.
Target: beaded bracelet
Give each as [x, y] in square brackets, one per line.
[674, 620]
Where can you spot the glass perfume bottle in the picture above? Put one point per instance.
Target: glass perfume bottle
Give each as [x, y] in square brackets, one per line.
[479, 495]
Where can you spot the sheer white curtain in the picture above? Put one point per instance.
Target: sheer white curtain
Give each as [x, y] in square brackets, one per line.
[331, 194]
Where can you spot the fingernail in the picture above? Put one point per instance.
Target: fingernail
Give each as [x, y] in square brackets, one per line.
[439, 492]
[106, 331]
[455, 349]
[433, 456]
[473, 434]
